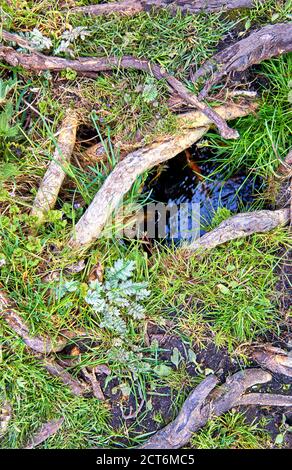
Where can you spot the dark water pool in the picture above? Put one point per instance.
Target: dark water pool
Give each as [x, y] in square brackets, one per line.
[191, 177]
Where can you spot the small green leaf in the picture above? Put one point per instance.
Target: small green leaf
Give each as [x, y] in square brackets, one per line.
[162, 370]
[223, 289]
[175, 357]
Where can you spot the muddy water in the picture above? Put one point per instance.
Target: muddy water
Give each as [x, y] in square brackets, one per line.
[193, 178]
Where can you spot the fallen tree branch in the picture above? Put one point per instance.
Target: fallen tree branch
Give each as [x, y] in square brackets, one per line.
[119, 182]
[40, 344]
[274, 359]
[132, 7]
[47, 430]
[50, 186]
[37, 62]
[241, 225]
[269, 41]
[205, 402]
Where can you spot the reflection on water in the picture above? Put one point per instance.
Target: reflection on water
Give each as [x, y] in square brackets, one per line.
[189, 178]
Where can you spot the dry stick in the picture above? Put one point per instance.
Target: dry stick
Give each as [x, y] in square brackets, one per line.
[204, 403]
[40, 344]
[241, 225]
[132, 7]
[270, 41]
[37, 61]
[120, 180]
[50, 186]
[47, 430]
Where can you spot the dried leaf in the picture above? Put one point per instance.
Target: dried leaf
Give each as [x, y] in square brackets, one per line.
[47, 430]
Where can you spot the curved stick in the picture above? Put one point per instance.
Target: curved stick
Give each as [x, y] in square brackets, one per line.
[37, 61]
[132, 7]
[51, 184]
[241, 225]
[119, 182]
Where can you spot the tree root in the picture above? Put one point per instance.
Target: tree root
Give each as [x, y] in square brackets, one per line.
[206, 402]
[270, 41]
[132, 7]
[53, 368]
[37, 62]
[39, 344]
[274, 359]
[241, 225]
[50, 186]
[119, 182]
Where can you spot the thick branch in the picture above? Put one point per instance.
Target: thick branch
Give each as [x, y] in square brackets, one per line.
[270, 41]
[202, 406]
[132, 7]
[119, 182]
[36, 61]
[50, 186]
[241, 225]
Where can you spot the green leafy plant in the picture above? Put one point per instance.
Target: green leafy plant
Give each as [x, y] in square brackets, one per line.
[115, 300]
[6, 130]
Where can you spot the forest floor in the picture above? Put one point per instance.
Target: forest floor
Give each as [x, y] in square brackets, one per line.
[200, 313]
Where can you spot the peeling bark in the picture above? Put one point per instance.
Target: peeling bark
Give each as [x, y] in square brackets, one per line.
[119, 182]
[50, 186]
[267, 42]
[241, 225]
[132, 7]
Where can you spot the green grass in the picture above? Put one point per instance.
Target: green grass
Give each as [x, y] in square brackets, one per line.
[230, 432]
[230, 290]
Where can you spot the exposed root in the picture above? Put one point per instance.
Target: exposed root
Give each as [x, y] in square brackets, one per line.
[37, 62]
[76, 387]
[274, 359]
[47, 430]
[40, 344]
[90, 377]
[119, 182]
[50, 186]
[206, 402]
[132, 7]
[270, 41]
[241, 225]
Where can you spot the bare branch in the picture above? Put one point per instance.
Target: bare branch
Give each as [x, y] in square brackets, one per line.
[50, 186]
